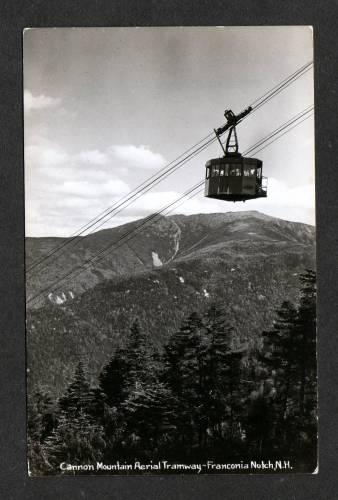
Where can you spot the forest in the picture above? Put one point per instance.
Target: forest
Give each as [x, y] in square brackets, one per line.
[201, 398]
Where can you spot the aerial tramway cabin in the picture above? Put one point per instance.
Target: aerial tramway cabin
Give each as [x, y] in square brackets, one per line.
[234, 177]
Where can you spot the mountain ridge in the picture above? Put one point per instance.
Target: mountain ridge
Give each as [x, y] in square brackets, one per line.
[132, 252]
[248, 264]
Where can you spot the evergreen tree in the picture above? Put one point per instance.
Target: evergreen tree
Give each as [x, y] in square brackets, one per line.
[41, 421]
[40, 415]
[289, 358]
[130, 367]
[280, 358]
[108, 398]
[203, 372]
[77, 439]
[114, 378]
[306, 406]
[224, 402]
[306, 333]
[127, 375]
[183, 375]
[139, 357]
[148, 415]
[78, 396]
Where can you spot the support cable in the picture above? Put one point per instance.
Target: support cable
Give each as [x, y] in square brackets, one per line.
[165, 171]
[101, 254]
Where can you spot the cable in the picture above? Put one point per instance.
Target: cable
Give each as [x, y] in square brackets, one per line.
[131, 199]
[278, 89]
[148, 182]
[135, 230]
[296, 125]
[277, 130]
[151, 217]
[158, 176]
[112, 246]
[280, 86]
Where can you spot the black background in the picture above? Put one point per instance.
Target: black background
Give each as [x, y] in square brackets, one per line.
[16, 15]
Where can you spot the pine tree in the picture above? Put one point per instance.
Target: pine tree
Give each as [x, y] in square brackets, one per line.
[113, 390]
[224, 404]
[139, 357]
[203, 373]
[40, 415]
[78, 396]
[148, 415]
[130, 367]
[41, 421]
[145, 404]
[114, 378]
[306, 406]
[183, 376]
[128, 373]
[280, 358]
[289, 357]
[77, 439]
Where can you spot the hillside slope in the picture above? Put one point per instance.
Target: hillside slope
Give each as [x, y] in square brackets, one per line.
[247, 261]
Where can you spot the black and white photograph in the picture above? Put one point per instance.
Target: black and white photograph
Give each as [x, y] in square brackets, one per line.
[170, 250]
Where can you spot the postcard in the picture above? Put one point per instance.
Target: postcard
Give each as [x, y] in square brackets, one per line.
[170, 250]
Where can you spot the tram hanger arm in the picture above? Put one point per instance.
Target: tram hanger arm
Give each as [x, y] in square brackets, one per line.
[232, 120]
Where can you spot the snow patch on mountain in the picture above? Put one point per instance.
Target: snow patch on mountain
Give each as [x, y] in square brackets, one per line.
[59, 300]
[156, 260]
[177, 238]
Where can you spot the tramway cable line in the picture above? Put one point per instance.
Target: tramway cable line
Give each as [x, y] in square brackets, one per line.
[272, 137]
[130, 196]
[201, 190]
[165, 171]
[280, 86]
[123, 205]
[109, 247]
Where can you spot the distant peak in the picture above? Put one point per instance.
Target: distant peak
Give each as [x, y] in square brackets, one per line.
[227, 215]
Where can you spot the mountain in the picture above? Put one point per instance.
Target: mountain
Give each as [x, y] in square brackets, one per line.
[246, 261]
[133, 248]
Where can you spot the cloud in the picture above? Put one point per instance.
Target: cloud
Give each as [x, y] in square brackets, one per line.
[94, 157]
[280, 194]
[38, 102]
[285, 202]
[137, 156]
[64, 190]
[87, 189]
[45, 156]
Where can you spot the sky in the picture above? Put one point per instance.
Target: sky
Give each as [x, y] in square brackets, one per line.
[106, 108]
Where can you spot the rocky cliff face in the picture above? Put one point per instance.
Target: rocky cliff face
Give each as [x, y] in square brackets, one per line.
[248, 262]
